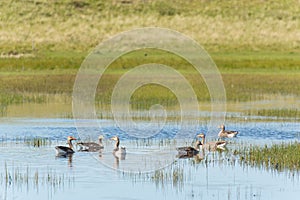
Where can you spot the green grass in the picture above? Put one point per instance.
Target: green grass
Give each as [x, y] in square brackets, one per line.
[277, 156]
[254, 44]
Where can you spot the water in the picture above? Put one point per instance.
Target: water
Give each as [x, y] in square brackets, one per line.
[36, 173]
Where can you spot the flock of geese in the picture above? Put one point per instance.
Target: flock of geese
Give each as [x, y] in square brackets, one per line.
[187, 152]
[62, 151]
[183, 152]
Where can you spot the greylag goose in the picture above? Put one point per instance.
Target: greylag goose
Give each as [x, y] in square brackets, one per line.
[118, 151]
[62, 150]
[91, 146]
[188, 152]
[213, 145]
[229, 134]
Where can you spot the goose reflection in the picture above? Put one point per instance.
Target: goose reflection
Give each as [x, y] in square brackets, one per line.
[68, 156]
[119, 153]
[117, 160]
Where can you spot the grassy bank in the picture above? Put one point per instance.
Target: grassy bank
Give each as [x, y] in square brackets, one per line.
[255, 45]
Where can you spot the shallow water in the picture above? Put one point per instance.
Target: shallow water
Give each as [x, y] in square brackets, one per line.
[29, 172]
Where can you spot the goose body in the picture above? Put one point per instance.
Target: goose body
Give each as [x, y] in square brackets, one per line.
[212, 145]
[118, 151]
[91, 146]
[224, 133]
[63, 150]
[188, 152]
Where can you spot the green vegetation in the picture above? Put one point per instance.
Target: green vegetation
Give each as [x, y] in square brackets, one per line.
[19, 175]
[277, 156]
[255, 45]
[292, 113]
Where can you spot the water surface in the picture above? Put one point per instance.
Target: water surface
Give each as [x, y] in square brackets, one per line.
[36, 173]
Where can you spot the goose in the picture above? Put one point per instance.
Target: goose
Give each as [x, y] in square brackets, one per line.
[213, 145]
[228, 134]
[91, 146]
[118, 151]
[63, 151]
[188, 152]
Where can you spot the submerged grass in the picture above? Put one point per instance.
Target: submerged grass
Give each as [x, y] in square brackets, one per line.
[173, 174]
[29, 141]
[20, 176]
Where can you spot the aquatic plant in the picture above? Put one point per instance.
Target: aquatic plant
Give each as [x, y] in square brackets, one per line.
[18, 175]
[276, 156]
[37, 141]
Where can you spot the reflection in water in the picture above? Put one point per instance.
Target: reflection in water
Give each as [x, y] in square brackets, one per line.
[34, 179]
[199, 157]
[118, 157]
[32, 174]
[68, 156]
[100, 155]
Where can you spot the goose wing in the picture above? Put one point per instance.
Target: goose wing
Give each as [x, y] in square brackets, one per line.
[89, 146]
[63, 150]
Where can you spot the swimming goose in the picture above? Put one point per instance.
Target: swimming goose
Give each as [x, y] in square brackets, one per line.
[91, 146]
[228, 134]
[213, 145]
[62, 150]
[188, 152]
[118, 151]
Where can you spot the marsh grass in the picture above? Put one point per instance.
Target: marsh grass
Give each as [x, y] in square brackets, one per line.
[280, 157]
[245, 86]
[279, 113]
[173, 174]
[38, 141]
[21, 176]
[35, 142]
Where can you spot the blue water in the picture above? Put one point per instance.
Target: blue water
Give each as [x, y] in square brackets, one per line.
[91, 175]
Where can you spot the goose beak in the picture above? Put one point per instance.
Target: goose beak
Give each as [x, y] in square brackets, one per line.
[71, 138]
[113, 138]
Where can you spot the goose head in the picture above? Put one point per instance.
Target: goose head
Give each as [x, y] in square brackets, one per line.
[70, 138]
[115, 138]
[201, 135]
[222, 126]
